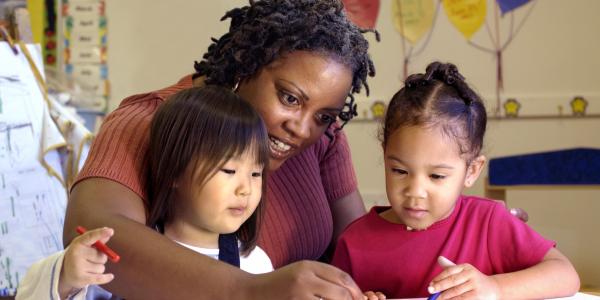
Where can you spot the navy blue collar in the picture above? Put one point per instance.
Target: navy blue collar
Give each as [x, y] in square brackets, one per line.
[228, 249]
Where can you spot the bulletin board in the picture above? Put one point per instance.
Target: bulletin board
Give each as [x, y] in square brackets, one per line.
[85, 53]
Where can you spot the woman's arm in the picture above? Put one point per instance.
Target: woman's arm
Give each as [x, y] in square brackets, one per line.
[344, 211]
[153, 267]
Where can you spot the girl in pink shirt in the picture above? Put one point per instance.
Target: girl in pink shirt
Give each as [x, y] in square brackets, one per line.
[432, 138]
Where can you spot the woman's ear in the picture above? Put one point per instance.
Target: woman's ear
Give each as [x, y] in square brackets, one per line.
[474, 170]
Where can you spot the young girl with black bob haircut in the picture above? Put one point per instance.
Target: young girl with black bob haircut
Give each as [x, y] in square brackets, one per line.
[432, 138]
[207, 156]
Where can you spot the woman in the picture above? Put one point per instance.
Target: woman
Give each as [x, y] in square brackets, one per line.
[298, 64]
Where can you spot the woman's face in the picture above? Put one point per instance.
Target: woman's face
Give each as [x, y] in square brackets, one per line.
[298, 96]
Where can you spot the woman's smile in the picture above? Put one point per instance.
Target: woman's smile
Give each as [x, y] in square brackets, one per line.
[280, 149]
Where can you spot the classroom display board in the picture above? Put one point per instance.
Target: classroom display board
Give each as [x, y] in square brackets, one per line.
[85, 52]
[41, 147]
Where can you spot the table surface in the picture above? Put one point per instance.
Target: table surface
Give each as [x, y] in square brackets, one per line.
[578, 296]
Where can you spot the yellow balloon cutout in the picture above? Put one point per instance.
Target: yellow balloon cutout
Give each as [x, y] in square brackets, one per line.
[466, 15]
[412, 18]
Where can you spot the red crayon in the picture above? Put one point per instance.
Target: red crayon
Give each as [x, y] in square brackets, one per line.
[112, 255]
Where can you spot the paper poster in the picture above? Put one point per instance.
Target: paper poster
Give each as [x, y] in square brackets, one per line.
[362, 12]
[86, 53]
[32, 201]
[509, 5]
[466, 15]
[412, 18]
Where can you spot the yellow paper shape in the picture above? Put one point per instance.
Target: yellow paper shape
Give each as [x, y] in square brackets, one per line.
[412, 18]
[466, 15]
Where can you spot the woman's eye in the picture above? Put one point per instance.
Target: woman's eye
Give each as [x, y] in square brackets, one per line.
[288, 99]
[256, 174]
[326, 119]
[437, 176]
[228, 171]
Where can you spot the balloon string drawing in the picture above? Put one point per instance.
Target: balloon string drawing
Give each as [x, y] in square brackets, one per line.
[469, 15]
[415, 21]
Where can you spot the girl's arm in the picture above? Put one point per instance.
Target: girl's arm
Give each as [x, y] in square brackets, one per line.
[553, 277]
[84, 265]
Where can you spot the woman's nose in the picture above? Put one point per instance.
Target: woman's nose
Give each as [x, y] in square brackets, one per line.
[299, 126]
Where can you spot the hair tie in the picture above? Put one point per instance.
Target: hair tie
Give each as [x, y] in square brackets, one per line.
[452, 75]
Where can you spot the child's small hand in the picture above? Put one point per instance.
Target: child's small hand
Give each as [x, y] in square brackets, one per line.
[370, 295]
[83, 264]
[465, 282]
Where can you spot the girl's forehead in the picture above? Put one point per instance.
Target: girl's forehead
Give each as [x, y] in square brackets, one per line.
[251, 153]
[426, 142]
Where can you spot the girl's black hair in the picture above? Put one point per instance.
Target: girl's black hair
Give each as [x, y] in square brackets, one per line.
[439, 97]
[202, 127]
[265, 30]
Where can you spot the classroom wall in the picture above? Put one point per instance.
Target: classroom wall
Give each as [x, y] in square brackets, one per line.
[552, 59]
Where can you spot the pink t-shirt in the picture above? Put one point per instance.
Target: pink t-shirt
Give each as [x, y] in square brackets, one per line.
[386, 257]
[297, 223]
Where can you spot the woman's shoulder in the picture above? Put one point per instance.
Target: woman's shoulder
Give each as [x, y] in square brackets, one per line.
[143, 106]
[158, 95]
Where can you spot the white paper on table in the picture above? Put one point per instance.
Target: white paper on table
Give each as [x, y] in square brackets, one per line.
[578, 296]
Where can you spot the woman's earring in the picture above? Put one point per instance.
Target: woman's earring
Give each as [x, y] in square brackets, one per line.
[235, 86]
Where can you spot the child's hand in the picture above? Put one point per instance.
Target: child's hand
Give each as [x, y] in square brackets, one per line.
[370, 295]
[464, 281]
[84, 265]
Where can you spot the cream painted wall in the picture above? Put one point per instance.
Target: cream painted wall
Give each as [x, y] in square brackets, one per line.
[152, 43]
[555, 57]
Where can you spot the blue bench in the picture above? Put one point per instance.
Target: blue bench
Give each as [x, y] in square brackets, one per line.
[570, 168]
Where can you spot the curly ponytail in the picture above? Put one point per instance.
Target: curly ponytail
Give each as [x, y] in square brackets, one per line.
[440, 96]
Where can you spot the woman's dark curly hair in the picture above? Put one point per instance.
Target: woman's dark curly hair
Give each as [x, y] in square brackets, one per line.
[265, 30]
